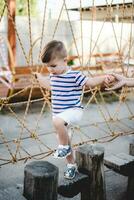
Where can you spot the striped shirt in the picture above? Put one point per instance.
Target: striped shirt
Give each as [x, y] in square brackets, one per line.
[66, 90]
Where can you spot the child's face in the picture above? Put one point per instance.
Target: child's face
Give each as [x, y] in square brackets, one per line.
[57, 66]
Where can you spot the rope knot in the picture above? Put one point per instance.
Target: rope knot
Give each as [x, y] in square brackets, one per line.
[14, 159]
[123, 98]
[16, 141]
[33, 135]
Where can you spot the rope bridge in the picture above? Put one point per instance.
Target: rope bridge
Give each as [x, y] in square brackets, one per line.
[15, 147]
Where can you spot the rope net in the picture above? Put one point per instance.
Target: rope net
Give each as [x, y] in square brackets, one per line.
[17, 147]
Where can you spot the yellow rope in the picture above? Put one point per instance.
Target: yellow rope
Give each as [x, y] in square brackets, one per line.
[42, 32]
[19, 39]
[5, 143]
[71, 28]
[56, 26]
[131, 32]
[30, 31]
[26, 111]
[91, 34]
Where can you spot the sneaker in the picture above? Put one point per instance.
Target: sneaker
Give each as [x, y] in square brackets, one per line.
[70, 172]
[62, 152]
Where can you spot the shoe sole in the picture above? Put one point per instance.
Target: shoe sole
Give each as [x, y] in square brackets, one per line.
[69, 178]
[63, 156]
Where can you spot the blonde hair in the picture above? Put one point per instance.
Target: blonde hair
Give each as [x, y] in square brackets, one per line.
[54, 49]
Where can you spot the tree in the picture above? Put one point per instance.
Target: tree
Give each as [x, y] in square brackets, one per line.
[22, 7]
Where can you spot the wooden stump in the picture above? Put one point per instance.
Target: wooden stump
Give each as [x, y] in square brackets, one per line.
[90, 161]
[130, 189]
[131, 148]
[70, 188]
[40, 181]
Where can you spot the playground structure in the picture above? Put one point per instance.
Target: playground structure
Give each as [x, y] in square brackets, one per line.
[18, 82]
[16, 78]
[90, 182]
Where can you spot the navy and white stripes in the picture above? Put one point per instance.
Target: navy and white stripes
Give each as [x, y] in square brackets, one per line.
[66, 90]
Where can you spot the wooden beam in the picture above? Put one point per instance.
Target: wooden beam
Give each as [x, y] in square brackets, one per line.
[11, 32]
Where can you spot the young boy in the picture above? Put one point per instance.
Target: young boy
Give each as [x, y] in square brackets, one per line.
[121, 81]
[66, 89]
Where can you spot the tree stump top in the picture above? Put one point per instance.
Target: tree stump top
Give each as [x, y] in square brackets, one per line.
[92, 150]
[41, 169]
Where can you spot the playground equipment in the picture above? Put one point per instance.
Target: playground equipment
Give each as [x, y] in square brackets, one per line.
[17, 81]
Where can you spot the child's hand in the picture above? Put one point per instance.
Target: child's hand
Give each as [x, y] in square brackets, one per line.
[109, 79]
[120, 82]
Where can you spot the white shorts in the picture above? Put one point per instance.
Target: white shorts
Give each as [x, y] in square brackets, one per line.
[71, 116]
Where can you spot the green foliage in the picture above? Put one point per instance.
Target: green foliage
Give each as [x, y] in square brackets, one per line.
[71, 62]
[1, 6]
[22, 7]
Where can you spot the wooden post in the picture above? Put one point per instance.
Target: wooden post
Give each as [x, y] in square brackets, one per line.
[90, 161]
[40, 181]
[11, 32]
[130, 189]
[131, 148]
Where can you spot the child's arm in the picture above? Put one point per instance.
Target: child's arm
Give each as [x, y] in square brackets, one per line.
[99, 80]
[130, 82]
[121, 81]
[43, 81]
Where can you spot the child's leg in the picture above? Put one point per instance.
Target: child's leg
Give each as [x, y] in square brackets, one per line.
[61, 130]
[61, 121]
[64, 148]
[71, 168]
[63, 137]
[70, 158]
